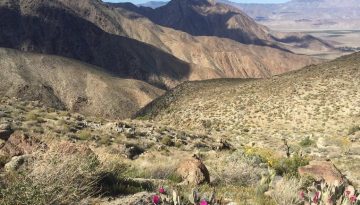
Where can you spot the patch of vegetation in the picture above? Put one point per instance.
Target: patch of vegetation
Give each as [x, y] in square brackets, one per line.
[84, 134]
[53, 179]
[284, 166]
[306, 142]
[353, 130]
[289, 166]
[168, 141]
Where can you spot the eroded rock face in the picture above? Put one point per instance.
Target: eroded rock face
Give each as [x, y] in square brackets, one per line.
[322, 170]
[193, 171]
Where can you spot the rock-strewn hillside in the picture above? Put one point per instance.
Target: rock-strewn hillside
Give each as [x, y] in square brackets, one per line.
[320, 102]
[69, 84]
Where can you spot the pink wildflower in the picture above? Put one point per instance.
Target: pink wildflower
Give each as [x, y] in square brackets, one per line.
[302, 195]
[162, 190]
[156, 199]
[203, 202]
[353, 199]
[316, 197]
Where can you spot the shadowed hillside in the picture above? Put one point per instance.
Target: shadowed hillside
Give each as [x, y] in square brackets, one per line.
[68, 84]
[50, 28]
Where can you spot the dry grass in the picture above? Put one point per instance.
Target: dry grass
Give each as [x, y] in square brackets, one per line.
[53, 178]
[286, 192]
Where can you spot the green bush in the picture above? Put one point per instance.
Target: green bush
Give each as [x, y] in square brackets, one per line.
[289, 166]
[84, 134]
[167, 141]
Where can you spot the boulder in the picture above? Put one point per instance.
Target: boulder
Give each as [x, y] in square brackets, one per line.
[193, 171]
[16, 163]
[322, 170]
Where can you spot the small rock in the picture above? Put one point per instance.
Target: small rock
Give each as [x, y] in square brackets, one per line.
[16, 163]
[133, 151]
[130, 151]
[5, 131]
[2, 143]
[193, 171]
[322, 170]
[223, 145]
[2, 114]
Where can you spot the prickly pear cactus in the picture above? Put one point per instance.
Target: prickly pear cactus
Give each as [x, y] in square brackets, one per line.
[324, 194]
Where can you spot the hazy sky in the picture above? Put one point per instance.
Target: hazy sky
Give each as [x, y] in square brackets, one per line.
[240, 1]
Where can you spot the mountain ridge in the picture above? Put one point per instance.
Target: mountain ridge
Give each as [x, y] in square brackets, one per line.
[131, 46]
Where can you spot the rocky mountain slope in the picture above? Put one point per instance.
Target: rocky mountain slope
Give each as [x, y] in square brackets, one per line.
[129, 45]
[300, 14]
[320, 102]
[208, 18]
[69, 84]
[57, 27]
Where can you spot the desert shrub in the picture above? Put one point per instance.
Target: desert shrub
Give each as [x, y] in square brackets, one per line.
[263, 154]
[289, 166]
[306, 142]
[343, 142]
[353, 130]
[53, 178]
[282, 165]
[240, 170]
[3, 160]
[286, 192]
[32, 116]
[84, 134]
[38, 130]
[105, 140]
[167, 141]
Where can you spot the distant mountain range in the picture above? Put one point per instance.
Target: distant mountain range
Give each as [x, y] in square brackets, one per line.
[298, 14]
[153, 4]
[305, 14]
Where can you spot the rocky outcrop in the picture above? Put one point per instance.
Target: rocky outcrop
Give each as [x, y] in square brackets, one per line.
[19, 144]
[193, 171]
[322, 170]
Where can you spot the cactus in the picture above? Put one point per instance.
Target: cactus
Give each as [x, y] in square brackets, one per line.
[325, 194]
[194, 198]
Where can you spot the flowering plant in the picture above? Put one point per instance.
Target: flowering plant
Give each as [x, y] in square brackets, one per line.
[325, 194]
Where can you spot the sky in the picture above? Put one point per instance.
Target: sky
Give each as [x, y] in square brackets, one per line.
[240, 1]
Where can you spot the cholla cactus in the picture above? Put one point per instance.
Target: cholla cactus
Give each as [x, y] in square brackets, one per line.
[196, 198]
[324, 194]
